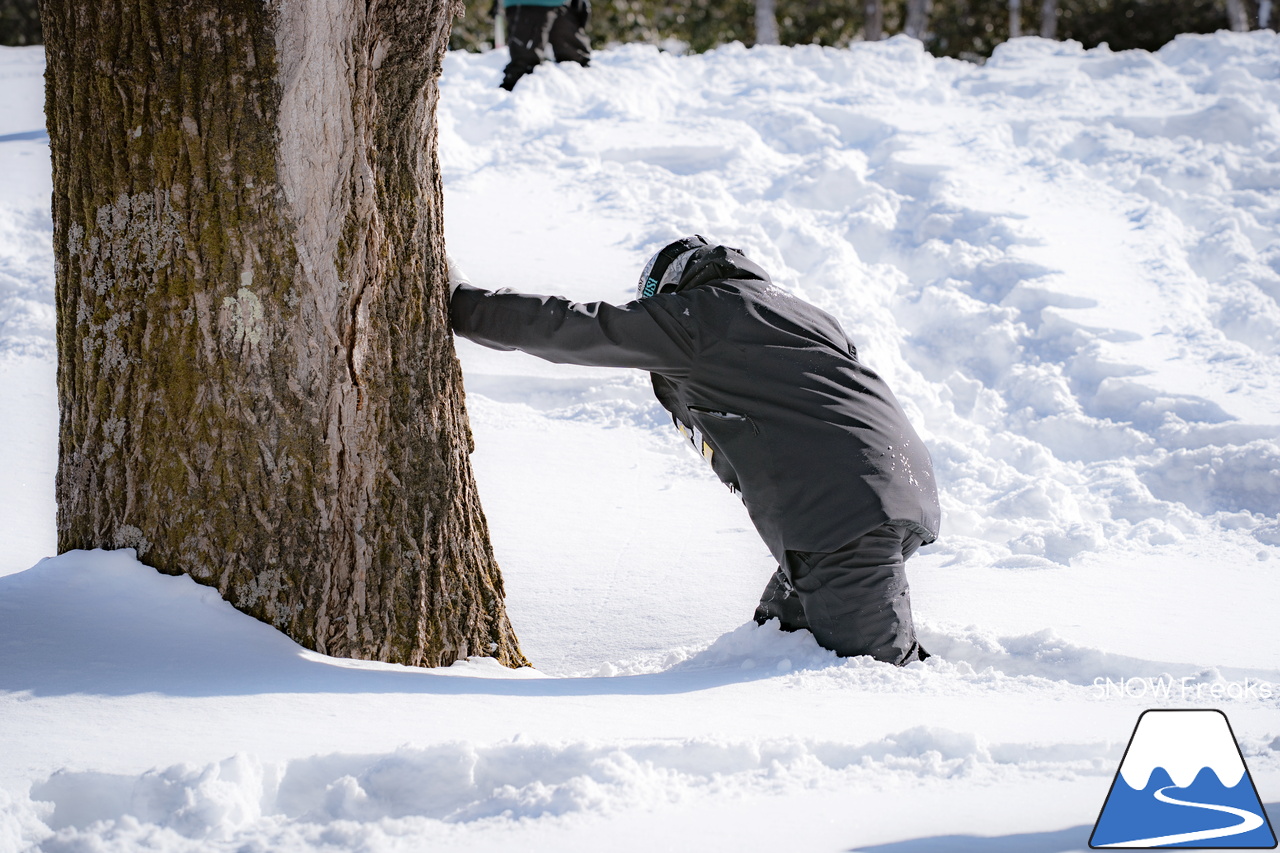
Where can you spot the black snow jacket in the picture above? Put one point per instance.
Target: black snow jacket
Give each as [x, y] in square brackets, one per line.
[765, 385]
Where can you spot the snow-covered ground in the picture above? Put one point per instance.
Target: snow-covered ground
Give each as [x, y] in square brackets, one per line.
[1066, 262]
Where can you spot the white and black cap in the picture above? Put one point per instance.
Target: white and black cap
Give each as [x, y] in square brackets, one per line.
[665, 268]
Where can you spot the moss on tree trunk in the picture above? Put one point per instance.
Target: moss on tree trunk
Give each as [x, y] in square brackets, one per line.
[256, 374]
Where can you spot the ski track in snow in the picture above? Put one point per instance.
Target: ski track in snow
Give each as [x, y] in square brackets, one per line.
[1066, 262]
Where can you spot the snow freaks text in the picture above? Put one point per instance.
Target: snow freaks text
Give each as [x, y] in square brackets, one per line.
[1182, 689]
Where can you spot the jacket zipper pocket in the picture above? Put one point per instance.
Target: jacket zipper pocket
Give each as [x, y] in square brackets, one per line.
[730, 417]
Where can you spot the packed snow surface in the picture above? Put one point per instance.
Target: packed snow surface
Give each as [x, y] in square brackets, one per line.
[1065, 262]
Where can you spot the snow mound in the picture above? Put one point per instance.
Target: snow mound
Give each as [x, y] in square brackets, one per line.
[426, 791]
[171, 635]
[1219, 479]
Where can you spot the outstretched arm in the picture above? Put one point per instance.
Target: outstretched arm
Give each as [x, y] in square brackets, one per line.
[651, 334]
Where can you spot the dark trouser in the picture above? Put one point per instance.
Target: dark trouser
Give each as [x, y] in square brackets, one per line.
[854, 600]
[530, 29]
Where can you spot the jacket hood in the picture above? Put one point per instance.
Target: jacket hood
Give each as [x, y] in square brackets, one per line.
[718, 263]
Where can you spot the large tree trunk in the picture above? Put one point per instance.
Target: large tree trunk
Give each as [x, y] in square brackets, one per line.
[256, 375]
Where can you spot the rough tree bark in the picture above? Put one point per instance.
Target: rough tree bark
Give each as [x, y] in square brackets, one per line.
[256, 376]
[917, 24]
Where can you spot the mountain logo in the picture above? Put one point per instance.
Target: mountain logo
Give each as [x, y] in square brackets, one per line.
[1182, 783]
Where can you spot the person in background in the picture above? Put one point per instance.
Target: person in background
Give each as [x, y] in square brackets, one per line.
[534, 26]
[772, 394]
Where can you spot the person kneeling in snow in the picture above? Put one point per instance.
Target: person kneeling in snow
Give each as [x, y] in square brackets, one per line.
[771, 392]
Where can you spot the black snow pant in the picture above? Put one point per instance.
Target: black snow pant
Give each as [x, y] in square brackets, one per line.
[854, 600]
[531, 29]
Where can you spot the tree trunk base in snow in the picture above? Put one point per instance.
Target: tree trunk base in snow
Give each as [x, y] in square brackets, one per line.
[256, 372]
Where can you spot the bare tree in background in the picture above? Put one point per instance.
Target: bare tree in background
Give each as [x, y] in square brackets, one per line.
[1264, 14]
[1237, 16]
[1015, 18]
[1049, 19]
[873, 30]
[766, 22]
[917, 25]
[256, 373]
[499, 24]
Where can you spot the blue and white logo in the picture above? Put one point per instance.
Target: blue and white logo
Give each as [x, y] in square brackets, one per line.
[1183, 783]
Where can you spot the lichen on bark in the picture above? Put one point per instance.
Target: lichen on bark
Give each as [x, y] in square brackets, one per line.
[256, 373]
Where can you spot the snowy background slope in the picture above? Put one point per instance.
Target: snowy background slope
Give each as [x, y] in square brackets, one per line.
[1067, 264]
